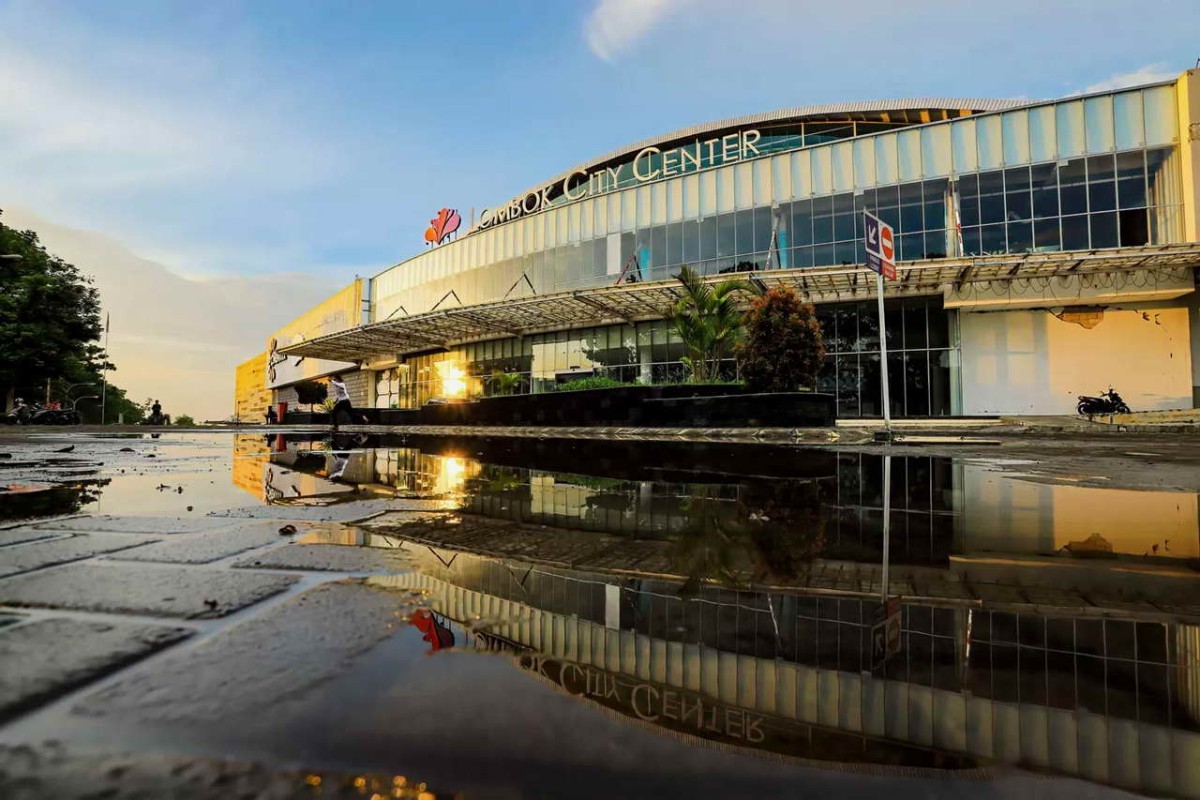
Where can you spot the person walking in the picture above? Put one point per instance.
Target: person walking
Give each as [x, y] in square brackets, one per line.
[341, 401]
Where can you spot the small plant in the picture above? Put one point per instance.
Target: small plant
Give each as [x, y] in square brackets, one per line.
[185, 421]
[327, 405]
[598, 382]
[783, 348]
[310, 393]
[504, 383]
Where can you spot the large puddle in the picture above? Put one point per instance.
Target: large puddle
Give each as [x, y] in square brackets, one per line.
[806, 604]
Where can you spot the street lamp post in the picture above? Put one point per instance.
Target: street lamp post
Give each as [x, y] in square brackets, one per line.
[75, 402]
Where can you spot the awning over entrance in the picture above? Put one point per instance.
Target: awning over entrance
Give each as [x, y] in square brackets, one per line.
[633, 302]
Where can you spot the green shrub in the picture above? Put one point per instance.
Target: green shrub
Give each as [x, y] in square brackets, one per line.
[185, 421]
[598, 382]
[783, 349]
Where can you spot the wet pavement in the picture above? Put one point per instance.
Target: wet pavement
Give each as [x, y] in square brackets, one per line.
[295, 615]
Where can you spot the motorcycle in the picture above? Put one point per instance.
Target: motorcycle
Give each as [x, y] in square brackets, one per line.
[1107, 403]
[35, 414]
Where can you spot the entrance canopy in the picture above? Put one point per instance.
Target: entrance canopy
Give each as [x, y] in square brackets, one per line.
[634, 302]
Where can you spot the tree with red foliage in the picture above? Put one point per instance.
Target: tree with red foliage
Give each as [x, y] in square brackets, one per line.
[782, 349]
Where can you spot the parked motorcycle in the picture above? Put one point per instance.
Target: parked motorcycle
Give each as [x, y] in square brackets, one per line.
[35, 414]
[1107, 403]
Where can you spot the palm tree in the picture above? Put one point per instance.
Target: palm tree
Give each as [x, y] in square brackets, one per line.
[708, 319]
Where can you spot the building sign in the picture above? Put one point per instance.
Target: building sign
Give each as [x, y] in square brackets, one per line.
[650, 164]
[440, 227]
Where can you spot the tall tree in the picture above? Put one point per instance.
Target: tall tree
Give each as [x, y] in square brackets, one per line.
[49, 321]
[708, 318]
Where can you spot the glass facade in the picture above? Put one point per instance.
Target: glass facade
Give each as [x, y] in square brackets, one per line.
[1079, 174]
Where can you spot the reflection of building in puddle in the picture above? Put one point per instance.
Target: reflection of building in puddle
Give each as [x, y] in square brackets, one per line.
[1110, 700]
[411, 470]
[250, 454]
[1006, 514]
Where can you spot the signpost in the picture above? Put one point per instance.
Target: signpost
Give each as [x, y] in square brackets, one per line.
[881, 257]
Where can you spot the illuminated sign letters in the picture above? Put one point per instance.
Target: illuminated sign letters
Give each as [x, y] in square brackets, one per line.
[650, 164]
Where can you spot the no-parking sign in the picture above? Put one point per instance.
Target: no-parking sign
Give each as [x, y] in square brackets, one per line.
[881, 246]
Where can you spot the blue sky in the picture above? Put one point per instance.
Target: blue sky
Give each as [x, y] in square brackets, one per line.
[262, 137]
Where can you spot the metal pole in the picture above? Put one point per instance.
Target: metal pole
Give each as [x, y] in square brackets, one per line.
[104, 382]
[887, 520]
[883, 358]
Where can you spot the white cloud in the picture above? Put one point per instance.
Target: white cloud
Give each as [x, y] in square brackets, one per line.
[1151, 73]
[614, 26]
[176, 338]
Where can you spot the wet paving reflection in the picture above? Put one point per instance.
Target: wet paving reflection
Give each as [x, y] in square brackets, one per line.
[749, 597]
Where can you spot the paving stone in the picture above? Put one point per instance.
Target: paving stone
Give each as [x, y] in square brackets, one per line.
[24, 534]
[115, 524]
[202, 548]
[126, 588]
[250, 668]
[36, 555]
[45, 658]
[338, 512]
[330, 558]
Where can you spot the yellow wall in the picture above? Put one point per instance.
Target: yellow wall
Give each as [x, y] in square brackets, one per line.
[250, 394]
[340, 312]
[1017, 516]
[1031, 362]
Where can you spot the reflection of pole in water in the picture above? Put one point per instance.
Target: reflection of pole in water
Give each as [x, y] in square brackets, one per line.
[887, 520]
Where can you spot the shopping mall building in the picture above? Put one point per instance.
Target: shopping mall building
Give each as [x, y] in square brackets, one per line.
[1045, 250]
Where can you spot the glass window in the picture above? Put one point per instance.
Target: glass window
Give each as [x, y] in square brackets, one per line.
[1075, 233]
[1098, 114]
[744, 232]
[989, 141]
[691, 196]
[708, 238]
[658, 205]
[1044, 180]
[822, 220]
[963, 136]
[1045, 235]
[1070, 127]
[801, 178]
[1159, 104]
[762, 182]
[674, 203]
[762, 229]
[1130, 121]
[708, 193]
[802, 233]
[935, 151]
[821, 170]
[1104, 230]
[864, 163]
[908, 154]
[1102, 196]
[1042, 137]
[781, 177]
[674, 243]
[691, 242]
[843, 166]
[886, 166]
[725, 189]
[743, 185]
[726, 242]
[1015, 126]
[1072, 189]
[991, 197]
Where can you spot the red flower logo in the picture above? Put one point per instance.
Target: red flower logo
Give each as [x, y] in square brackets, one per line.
[445, 223]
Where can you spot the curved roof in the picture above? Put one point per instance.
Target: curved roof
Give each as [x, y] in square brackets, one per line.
[798, 114]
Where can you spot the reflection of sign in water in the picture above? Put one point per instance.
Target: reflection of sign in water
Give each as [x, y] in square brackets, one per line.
[665, 706]
[885, 633]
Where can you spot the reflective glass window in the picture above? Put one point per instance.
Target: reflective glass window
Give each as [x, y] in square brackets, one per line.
[908, 155]
[864, 163]
[763, 190]
[963, 136]
[1043, 140]
[1015, 125]
[1159, 106]
[658, 203]
[821, 170]
[674, 203]
[886, 164]
[744, 232]
[843, 166]
[1070, 128]
[989, 141]
[743, 185]
[935, 151]
[1098, 116]
[802, 232]
[1129, 120]
[762, 229]
[801, 177]
[726, 236]
[708, 193]
[725, 189]
[781, 178]
[1104, 230]
[1072, 187]
[691, 196]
